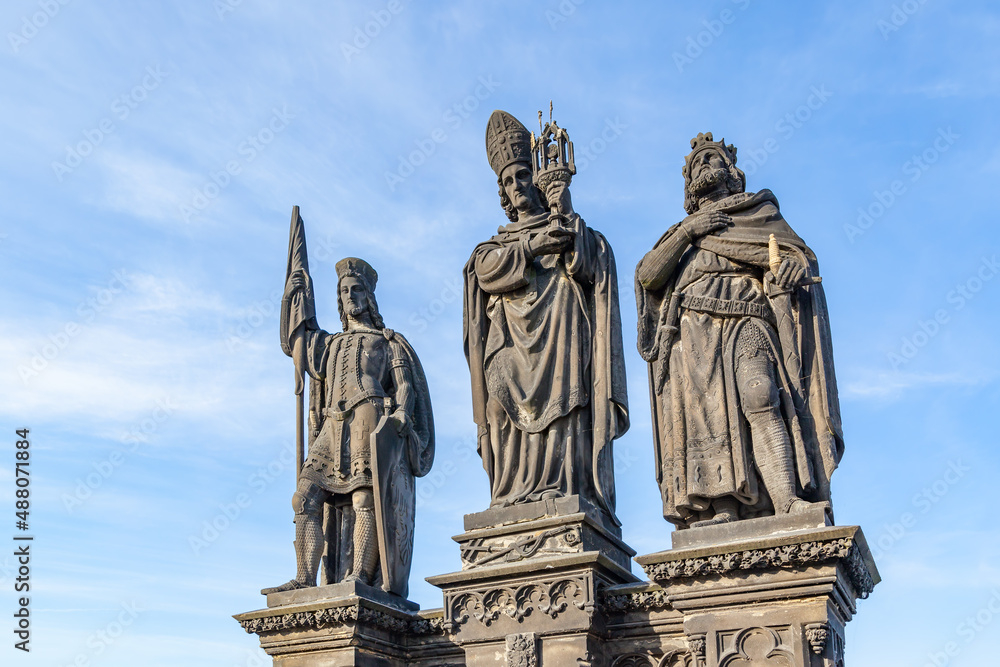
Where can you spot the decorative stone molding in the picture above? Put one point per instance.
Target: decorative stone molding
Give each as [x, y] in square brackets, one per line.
[512, 548]
[633, 660]
[800, 553]
[321, 618]
[696, 644]
[640, 601]
[817, 635]
[522, 650]
[757, 647]
[548, 597]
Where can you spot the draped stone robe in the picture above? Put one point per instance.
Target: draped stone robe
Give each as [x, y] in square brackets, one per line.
[690, 317]
[543, 341]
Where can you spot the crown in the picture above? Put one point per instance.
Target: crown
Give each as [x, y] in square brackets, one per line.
[507, 141]
[359, 268]
[704, 142]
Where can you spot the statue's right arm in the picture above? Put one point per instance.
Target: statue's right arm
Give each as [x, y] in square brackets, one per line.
[503, 267]
[659, 264]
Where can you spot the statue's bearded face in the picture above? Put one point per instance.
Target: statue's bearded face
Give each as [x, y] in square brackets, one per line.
[709, 173]
[353, 296]
[516, 182]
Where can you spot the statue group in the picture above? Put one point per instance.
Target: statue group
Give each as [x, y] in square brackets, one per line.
[732, 323]
[734, 328]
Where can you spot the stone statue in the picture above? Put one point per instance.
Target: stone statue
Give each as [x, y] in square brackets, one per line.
[542, 332]
[733, 323]
[371, 432]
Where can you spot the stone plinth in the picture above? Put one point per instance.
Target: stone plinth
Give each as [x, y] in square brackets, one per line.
[542, 529]
[348, 625]
[766, 591]
[532, 579]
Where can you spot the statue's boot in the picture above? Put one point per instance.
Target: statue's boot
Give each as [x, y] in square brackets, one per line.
[365, 547]
[773, 450]
[726, 511]
[308, 553]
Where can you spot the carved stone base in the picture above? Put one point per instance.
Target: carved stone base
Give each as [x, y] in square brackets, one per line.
[538, 611]
[770, 591]
[764, 597]
[348, 625]
[537, 530]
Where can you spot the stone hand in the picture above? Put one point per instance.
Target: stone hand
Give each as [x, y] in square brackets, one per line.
[551, 241]
[558, 196]
[790, 274]
[401, 420]
[697, 226]
[297, 281]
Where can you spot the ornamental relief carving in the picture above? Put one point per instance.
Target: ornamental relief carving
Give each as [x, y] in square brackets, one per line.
[517, 602]
[803, 553]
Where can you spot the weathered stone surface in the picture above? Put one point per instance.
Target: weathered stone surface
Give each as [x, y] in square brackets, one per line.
[780, 598]
[370, 431]
[542, 332]
[344, 589]
[540, 529]
[734, 326]
[818, 515]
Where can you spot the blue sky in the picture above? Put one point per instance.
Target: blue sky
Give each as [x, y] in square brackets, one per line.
[152, 155]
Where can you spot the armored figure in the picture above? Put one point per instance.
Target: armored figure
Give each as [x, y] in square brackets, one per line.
[542, 335]
[733, 323]
[370, 433]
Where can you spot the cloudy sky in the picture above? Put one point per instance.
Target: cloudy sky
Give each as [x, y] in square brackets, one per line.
[154, 152]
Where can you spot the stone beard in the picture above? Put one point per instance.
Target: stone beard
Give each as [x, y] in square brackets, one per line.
[543, 342]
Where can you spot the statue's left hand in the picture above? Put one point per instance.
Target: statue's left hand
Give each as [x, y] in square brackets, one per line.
[790, 274]
[402, 421]
[558, 195]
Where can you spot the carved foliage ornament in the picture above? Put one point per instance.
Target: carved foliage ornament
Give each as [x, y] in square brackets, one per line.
[522, 650]
[517, 602]
[817, 635]
[641, 601]
[321, 618]
[803, 553]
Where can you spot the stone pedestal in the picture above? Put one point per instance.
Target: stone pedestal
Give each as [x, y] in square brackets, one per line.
[769, 591]
[531, 582]
[543, 585]
[348, 625]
